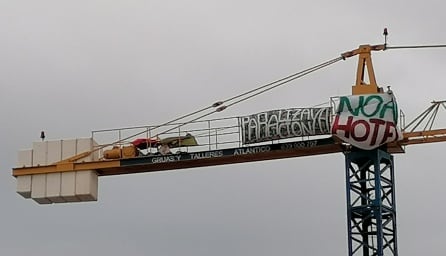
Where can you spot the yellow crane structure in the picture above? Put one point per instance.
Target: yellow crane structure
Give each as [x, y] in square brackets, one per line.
[67, 171]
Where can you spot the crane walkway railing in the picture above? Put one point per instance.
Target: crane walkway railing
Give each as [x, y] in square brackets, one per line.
[213, 134]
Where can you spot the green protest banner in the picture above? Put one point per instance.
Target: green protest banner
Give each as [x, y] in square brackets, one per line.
[367, 121]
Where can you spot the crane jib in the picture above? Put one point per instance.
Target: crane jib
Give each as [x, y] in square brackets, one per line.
[230, 152]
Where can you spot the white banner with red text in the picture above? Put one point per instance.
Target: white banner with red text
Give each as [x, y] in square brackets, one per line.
[367, 121]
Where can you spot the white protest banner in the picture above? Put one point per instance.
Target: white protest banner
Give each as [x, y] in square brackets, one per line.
[285, 123]
[367, 121]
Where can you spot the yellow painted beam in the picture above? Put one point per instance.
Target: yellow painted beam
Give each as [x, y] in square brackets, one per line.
[425, 140]
[65, 167]
[365, 65]
[438, 132]
[113, 167]
[422, 137]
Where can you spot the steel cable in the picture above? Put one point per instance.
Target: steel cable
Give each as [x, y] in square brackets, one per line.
[415, 46]
[266, 87]
[269, 86]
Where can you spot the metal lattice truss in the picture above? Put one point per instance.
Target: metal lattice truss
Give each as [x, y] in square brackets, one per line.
[426, 120]
[371, 203]
[422, 128]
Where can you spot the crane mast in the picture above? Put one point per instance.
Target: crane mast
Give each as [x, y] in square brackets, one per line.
[370, 187]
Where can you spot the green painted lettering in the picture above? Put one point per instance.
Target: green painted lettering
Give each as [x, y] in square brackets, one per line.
[376, 106]
[345, 102]
[390, 106]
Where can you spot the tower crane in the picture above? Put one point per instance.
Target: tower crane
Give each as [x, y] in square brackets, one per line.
[67, 171]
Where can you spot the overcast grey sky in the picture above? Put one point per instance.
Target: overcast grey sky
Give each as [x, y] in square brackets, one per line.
[69, 67]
